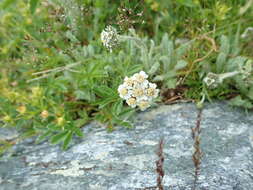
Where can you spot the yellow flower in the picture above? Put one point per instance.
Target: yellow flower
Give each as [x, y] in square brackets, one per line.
[29, 21]
[44, 114]
[221, 10]
[36, 92]
[21, 109]
[155, 6]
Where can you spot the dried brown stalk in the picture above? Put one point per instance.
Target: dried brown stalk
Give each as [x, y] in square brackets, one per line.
[159, 165]
[197, 155]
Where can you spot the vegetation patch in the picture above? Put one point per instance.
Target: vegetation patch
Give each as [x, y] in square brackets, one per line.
[65, 63]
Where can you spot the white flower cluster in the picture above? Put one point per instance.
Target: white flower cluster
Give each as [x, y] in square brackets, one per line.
[138, 91]
[109, 37]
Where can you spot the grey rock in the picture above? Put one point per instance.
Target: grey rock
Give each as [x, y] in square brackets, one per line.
[125, 159]
[7, 134]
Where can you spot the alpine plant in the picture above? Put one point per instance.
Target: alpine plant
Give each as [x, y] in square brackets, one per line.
[110, 37]
[138, 91]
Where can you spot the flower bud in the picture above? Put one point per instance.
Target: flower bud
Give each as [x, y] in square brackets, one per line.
[44, 114]
[60, 120]
[21, 109]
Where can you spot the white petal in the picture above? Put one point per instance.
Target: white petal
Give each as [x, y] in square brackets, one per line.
[145, 84]
[152, 85]
[143, 74]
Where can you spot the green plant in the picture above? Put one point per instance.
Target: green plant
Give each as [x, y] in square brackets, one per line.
[56, 76]
[232, 71]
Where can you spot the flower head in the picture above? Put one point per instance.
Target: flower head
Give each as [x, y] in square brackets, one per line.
[151, 91]
[131, 102]
[140, 77]
[212, 80]
[21, 109]
[138, 91]
[143, 104]
[44, 114]
[109, 37]
[129, 82]
[124, 92]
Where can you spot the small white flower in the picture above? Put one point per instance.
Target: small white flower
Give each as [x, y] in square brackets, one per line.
[144, 84]
[109, 37]
[143, 104]
[124, 92]
[138, 91]
[129, 82]
[152, 91]
[140, 77]
[131, 102]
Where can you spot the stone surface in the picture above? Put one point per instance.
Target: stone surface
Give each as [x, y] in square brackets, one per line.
[8, 134]
[125, 159]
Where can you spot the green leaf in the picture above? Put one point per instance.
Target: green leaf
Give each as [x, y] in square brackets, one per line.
[54, 127]
[234, 62]
[238, 101]
[117, 107]
[159, 78]
[220, 62]
[104, 91]
[67, 140]
[134, 69]
[171, 83]
[33, 5]
[80, 122]
[59, 137]
[250, 93]
[126, 113]
[78, 132]
[83, 114]
[225, 44]
[187, 3]
[123, 123]
[104, 102]
[29, 133]
[165, 43]
[180, 65]
[7, 3]
[43, 136]
[154, 68]
[83, 94]
[235, 50]
[181, 50]
[71, 36]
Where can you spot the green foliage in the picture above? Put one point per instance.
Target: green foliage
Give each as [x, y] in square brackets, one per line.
[56, 76]
[229, 60]
[33, 5]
